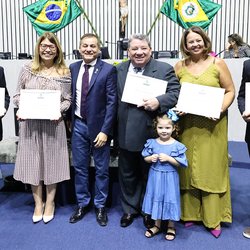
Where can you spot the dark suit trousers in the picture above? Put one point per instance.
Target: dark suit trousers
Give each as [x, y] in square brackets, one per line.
[133, 171]
[247, 137]
[1, 129]
[81, 151]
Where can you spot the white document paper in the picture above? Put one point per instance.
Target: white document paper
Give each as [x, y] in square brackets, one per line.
[139, 87]
[2, 101]
[247, 96]
[39, 104]
[200, 100]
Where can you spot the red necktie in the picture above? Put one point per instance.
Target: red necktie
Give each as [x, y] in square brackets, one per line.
[85, 87]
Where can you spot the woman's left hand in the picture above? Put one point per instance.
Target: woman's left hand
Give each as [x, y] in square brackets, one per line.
[58, 120]
[246, 116]
[2, 112]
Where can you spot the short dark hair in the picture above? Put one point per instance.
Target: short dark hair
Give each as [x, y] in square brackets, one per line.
[91, 35]
[202, 33]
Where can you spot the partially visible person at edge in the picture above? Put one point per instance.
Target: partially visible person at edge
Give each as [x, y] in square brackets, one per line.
[205, 185]
[94, 104]
[6, 100]
[135, 124]
[245, 113]
[236, 48]
[42, 155]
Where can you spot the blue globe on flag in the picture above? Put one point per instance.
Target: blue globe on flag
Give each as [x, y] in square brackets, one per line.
[53, 12]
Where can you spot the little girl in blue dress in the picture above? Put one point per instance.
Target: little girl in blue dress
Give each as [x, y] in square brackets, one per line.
[162, 197]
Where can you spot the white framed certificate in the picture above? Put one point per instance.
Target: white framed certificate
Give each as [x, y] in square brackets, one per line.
[39, 104]
[200, 100]
[139, 87]
[2, 101]
[247, 96]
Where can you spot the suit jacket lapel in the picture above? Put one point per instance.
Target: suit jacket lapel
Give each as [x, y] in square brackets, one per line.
[97, 70]
[150, 69]
[74, 73]
[124, 72]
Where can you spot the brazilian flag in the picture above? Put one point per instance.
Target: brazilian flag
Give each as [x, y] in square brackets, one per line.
[189, 13]
[46, 15]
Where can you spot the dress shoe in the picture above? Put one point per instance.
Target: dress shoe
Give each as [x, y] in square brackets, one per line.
[78, 215]
[189, 224]
[126, 220]
[48, 218]
[147, 221]
[246, 232]
[216, 232]
[101, 216]
[37, 218]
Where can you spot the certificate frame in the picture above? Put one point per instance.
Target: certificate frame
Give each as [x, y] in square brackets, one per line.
[247, 96]
[2, 101]
[200, 100]
[139, 87]
[39, 104]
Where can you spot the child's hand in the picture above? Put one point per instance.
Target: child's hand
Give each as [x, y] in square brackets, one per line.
[163, 157]
[154, 157]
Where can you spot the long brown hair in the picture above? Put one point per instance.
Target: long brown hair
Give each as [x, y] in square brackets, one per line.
[196, 29]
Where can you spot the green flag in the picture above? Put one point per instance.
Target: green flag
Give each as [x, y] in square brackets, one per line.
[189, 13]
[46, 15]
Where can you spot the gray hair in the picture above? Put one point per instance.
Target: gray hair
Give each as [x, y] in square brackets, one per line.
[139, 37]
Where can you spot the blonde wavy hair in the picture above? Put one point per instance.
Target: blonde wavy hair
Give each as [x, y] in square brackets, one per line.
[59, 62]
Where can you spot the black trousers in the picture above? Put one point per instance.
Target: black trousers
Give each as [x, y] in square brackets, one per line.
[133, 172]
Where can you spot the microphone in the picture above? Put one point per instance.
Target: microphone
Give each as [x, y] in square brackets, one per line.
[220, 52]
[110, 42]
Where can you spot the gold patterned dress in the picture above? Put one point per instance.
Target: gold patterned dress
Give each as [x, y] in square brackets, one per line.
[205, 188]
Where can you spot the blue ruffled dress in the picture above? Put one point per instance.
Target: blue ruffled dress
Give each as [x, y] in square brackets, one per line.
[162, 197]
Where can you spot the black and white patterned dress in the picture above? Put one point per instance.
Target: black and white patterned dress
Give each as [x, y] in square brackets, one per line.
[42, 149]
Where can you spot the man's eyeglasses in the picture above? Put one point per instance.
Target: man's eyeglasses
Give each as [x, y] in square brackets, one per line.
[52, 47]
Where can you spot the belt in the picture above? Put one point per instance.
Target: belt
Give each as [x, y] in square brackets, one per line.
[81, 119]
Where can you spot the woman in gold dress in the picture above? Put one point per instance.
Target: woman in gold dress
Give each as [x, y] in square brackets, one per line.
[205, 188]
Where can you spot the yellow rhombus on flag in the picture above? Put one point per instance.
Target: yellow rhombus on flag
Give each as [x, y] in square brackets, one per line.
[191, 11]
[188, 13]
[48, 15]
[62, 8]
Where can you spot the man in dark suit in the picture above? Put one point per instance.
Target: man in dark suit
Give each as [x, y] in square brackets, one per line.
[93, 115]
[135, 124]
[241, 100]
[245, 114]
[6, 101]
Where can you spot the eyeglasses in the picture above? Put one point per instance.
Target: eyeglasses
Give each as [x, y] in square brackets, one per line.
[52, 47]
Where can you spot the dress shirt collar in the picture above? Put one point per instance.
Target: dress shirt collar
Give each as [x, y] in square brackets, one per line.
[92, 64]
